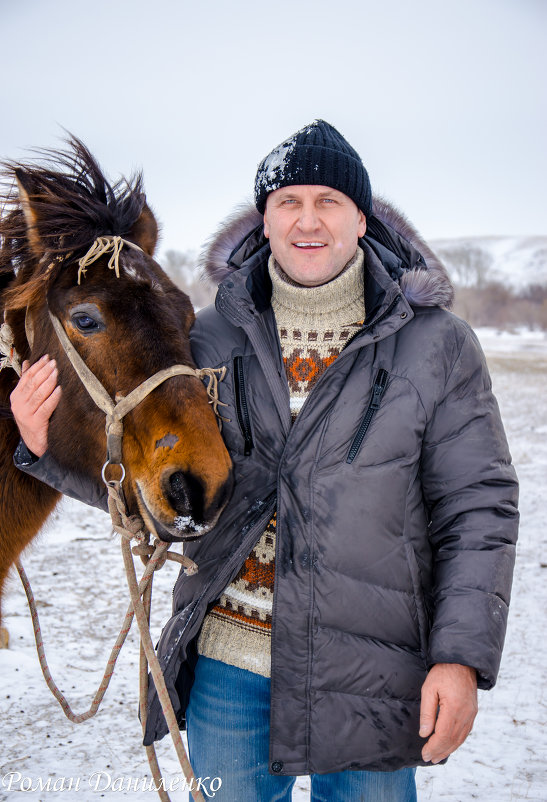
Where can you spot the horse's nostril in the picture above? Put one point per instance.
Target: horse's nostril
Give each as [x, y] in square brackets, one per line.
[178, 493]
[185, 495]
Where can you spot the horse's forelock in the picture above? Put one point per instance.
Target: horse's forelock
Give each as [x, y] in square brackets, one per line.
[72, 202]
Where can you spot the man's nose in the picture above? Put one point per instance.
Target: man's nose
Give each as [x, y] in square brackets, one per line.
[308, 219]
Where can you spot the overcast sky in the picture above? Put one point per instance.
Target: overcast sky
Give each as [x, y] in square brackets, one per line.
[445, 100]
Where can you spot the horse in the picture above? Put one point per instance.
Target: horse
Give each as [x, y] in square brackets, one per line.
[127, 320]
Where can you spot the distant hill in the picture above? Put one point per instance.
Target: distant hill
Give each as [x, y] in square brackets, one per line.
[516, 262]
[499, 281]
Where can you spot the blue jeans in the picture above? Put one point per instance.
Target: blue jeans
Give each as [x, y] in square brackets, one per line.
[228, 721]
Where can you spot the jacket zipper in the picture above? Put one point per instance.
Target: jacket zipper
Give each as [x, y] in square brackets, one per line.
[380, 384]
[360, 331]
[242, 407]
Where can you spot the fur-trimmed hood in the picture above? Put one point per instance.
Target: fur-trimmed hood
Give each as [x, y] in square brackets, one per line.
[405, 255]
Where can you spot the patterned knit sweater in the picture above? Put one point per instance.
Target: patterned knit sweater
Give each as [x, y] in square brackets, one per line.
[314, 324]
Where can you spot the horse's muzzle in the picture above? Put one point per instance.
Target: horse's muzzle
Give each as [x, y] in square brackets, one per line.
[185, 513]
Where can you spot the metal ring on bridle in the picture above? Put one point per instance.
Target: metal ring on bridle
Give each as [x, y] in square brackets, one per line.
[108, 481]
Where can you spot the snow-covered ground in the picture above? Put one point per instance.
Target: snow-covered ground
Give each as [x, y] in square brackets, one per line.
[77, 575]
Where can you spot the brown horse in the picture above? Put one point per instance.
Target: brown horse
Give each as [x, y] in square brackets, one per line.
[127, 324]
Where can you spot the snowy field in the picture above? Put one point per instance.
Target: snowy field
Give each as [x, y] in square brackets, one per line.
[76, 572]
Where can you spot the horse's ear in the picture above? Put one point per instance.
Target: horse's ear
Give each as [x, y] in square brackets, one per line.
[26, 190]
[145, 231]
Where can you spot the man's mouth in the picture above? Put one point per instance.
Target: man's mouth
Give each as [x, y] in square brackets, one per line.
[309, 244]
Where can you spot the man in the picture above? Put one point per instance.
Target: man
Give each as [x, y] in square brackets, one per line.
[354, 594]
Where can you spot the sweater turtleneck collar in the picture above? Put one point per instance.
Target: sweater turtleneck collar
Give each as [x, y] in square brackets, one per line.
[339, 302]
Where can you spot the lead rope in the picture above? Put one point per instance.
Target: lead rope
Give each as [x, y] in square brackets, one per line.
[129, 527]
[77, 718]
[148, 658]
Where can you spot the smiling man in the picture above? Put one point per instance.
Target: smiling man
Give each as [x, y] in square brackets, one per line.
[313, 232]
[357, 624]
[354, 594]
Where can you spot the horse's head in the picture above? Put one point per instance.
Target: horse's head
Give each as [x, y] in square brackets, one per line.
[127, 321]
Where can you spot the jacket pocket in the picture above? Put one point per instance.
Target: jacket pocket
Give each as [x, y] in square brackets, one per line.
[378, 390]
[242, 407]
[419, 601]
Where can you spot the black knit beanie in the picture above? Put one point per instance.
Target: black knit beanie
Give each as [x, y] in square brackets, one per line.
[318, 154]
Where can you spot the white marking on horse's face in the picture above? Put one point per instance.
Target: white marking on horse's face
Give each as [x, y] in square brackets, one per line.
[141, 276]
[132, 273]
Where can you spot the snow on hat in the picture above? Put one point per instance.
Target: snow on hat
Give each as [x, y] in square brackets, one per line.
[317, 154]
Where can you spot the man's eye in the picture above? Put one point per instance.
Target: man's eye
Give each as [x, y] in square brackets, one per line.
[85, 322]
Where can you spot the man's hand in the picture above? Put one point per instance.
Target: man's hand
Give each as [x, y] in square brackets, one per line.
[448, 709]
[33, 402]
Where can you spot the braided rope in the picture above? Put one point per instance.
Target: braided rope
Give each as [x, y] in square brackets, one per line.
[148, 658]
[157, 676]
[154, 557]
[76, 718]
[155, 560]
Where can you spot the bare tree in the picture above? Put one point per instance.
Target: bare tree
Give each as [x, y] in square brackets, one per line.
[181, 267]
[479, 301]
[469, 264]
[495, 304]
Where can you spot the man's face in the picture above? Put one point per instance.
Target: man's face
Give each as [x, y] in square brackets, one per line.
[313, 231]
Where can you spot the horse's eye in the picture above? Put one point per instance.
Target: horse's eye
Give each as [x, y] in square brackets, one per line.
[85, 322]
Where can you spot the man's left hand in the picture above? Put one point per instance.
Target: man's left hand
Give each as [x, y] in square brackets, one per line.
[448, 709]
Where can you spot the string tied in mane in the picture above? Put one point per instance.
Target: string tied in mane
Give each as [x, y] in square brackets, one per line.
[100, 247]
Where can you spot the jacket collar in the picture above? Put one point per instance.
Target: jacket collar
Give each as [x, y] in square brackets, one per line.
[239, 247]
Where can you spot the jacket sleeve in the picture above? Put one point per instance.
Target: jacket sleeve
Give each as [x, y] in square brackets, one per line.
[471, 491]
[46, 469]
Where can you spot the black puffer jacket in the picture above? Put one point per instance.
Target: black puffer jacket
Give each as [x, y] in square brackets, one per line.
[395, 498]
[396, 506]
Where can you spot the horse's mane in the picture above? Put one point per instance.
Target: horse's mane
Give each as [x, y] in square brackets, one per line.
[73, 199]
[74, 204]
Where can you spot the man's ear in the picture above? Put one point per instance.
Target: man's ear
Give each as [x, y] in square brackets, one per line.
[266, 226]
[145, 231]
[26, 191]
[362, 227]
